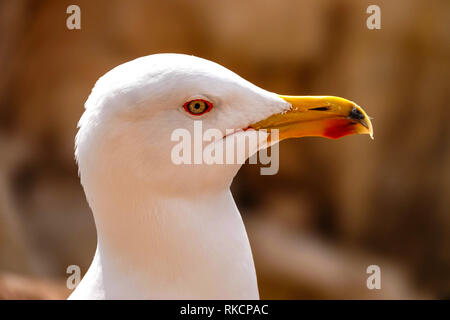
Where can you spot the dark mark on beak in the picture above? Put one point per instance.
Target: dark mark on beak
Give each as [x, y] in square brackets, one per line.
[319, 109]
[355, 114]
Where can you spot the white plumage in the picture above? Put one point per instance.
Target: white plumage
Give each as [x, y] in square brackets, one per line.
[165, 231]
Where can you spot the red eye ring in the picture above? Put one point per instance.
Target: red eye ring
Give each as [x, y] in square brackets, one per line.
[197, 107]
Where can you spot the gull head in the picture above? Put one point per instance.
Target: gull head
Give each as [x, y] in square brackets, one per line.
[125, 142]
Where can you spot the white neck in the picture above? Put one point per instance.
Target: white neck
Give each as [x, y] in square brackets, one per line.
[170, 249]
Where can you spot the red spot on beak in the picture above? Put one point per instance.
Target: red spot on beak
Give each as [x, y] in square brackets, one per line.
[339, 128]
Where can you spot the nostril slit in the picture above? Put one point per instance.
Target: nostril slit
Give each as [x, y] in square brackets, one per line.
[319, 109]
[356, 114]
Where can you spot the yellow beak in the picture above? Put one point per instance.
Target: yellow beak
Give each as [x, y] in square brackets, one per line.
[320, 116]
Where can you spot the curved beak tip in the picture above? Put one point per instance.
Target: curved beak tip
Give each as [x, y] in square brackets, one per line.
[357, 114]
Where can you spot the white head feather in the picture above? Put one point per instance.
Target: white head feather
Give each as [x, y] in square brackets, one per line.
[165, 230]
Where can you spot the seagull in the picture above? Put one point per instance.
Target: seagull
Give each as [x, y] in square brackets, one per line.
[171, 231]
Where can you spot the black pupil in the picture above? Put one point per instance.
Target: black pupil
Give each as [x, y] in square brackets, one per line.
[197, 107]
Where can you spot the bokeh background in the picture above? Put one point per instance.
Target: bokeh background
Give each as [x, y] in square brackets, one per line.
[334, 208]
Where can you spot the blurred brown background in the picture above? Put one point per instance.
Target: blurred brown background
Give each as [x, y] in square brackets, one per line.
[334, 208]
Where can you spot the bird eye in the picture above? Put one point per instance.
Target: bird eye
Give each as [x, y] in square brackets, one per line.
[198, 107]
